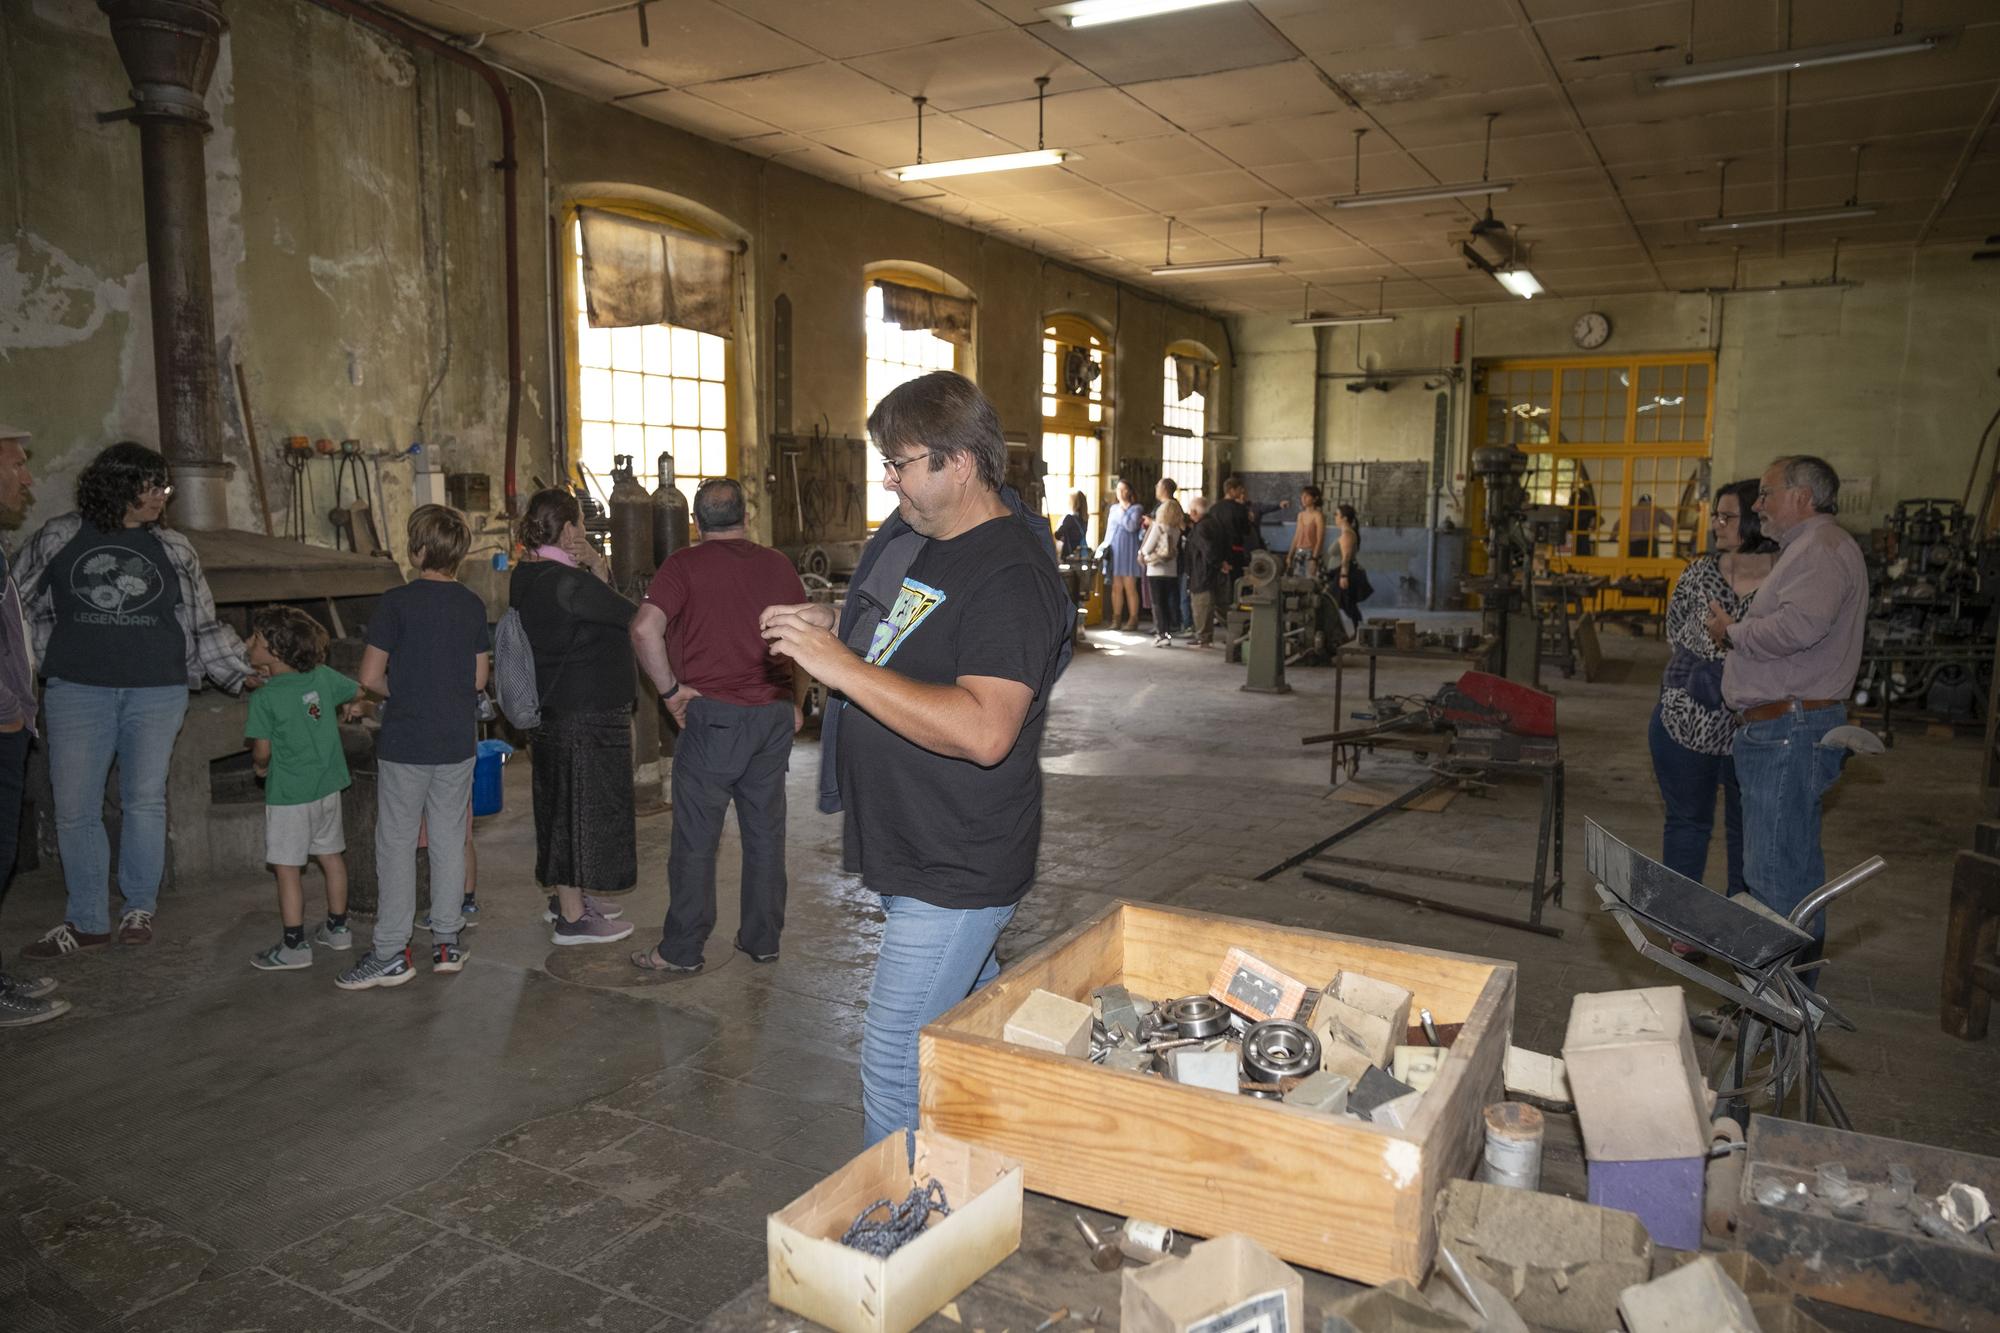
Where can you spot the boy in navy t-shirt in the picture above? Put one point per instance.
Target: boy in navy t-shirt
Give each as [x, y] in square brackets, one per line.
[426, 659]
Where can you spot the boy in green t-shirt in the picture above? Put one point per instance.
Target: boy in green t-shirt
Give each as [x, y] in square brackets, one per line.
[294, 731]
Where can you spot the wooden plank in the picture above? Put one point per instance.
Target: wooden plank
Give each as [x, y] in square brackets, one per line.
[1340, 1195]
[1170, 951]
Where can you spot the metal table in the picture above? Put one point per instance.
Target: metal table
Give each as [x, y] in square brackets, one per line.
[1350, 755]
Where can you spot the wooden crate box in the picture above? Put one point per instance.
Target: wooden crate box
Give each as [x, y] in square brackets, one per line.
[1339, 1195]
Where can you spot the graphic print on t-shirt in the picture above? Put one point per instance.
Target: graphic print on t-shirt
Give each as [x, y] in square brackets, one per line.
[913, 606]
[118, 582]
[311, 700]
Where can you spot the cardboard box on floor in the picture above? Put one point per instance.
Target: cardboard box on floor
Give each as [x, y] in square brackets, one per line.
[813, 1274]
[1639, 1093]
[1563, 1264]
[1179, 1295]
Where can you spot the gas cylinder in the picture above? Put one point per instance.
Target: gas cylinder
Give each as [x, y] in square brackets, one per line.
[670, 513]
[632, 562]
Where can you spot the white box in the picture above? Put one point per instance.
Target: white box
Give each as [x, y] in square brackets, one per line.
[1639, 1092]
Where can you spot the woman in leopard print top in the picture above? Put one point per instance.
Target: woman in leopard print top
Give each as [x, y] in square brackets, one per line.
[1691, 741]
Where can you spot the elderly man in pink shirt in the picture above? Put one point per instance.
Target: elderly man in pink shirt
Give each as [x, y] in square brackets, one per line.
[1788, 674]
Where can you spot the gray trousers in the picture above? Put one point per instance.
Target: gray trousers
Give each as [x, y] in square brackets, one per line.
[728, 753]
[406, 796]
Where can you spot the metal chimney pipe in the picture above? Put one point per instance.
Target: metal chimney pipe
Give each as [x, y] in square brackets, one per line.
[169, 50]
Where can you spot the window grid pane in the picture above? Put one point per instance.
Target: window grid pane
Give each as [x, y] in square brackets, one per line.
[1181, 456]
[895, 356]
[648, 390]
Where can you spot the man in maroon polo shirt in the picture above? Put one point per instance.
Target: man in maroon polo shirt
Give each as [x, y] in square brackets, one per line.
[738, 707]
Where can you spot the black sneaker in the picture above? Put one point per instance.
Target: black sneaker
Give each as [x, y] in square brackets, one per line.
[770, 957]
[34, 988]
[19, 1010]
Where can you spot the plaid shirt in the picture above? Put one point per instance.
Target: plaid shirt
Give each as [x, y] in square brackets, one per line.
[214, 651]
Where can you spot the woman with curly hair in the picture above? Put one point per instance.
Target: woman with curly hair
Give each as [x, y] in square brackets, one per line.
[123, 626]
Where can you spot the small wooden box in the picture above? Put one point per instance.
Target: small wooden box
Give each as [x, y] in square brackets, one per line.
[811, 1273]
[1334, 1194]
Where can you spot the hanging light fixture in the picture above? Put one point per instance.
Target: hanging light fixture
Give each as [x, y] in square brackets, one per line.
[1094, 13]
[1308, 320]
[1421, 193]
[1805, 57]
[1040, 156]
[1170, 269]
[1796, 217]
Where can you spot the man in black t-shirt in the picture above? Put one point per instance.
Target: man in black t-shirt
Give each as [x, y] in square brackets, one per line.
[944, 703]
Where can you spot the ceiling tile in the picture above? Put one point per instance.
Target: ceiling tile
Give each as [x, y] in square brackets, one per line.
[844, 28]
[819, 160]
[1083, 203]
[1629, 99]
[1197, 41]
[1697, 139]
[502, 14]
[1626, 40]
[1465, 62]
[1319, 138]
[1239, 97]
[1145, 159]
[697, 115]
[894, 142]
[1434, 122]
[1860, 119]
[1169, 194]
[693, 41]
[982, 70]
[1513, 159]
[572, 69]
[1093, 115]
[446, 17]
[813, 98]
[1318, 28]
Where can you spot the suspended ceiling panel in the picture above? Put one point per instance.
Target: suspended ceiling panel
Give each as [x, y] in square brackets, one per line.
[1211, 114]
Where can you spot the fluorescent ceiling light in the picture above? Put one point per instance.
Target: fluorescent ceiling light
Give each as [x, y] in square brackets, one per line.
[1340, 321]
[1520, 282]
[1094, 13]
[1419, 195]
[1746, 221]
[1214, 266]
[973, 166]
[1805, 57]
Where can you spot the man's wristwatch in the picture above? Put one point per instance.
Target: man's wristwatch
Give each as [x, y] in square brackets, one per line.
[679, 685]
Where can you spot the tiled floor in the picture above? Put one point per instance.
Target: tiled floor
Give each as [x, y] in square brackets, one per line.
[546, 1142]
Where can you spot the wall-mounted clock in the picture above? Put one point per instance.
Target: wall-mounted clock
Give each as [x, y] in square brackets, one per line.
[1591, 330]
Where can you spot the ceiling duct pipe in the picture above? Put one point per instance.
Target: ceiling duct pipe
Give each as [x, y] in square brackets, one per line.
[420, 40]
[169, 49]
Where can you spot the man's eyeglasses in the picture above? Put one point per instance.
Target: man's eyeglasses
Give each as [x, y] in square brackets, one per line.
[896, 465]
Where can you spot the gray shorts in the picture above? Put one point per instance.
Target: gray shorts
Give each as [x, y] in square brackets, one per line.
[293, 834]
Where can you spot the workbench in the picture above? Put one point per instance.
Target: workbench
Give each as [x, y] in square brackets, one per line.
[1468, 658]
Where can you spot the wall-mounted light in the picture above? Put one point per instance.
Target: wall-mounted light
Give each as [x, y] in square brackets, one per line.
[1039, 156]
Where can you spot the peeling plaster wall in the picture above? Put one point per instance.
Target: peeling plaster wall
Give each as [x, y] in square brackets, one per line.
[1890, 381]
[355, 224]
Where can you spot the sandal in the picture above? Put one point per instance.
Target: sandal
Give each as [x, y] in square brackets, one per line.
[649, 960]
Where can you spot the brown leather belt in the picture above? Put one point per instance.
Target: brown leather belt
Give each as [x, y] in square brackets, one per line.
[1765, 712]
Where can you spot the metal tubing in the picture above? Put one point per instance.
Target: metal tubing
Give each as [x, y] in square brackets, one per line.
[1833, 888]
[1430, 783]
[168, 48]
[1433, 904]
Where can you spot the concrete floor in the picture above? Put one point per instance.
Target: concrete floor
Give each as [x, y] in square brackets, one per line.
[544, 1142]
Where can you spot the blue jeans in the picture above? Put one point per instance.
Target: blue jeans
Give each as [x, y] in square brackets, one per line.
[931, 958]
[1784, 771]
[1187, 602]
[89, 726]
[1688, 779]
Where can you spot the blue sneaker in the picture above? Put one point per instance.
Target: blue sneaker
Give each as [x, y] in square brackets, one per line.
[374, 971]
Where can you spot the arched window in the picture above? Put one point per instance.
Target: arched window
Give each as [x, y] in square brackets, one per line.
[1184, 415]
[898, 353]
[648, 389]
[1076, 375]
